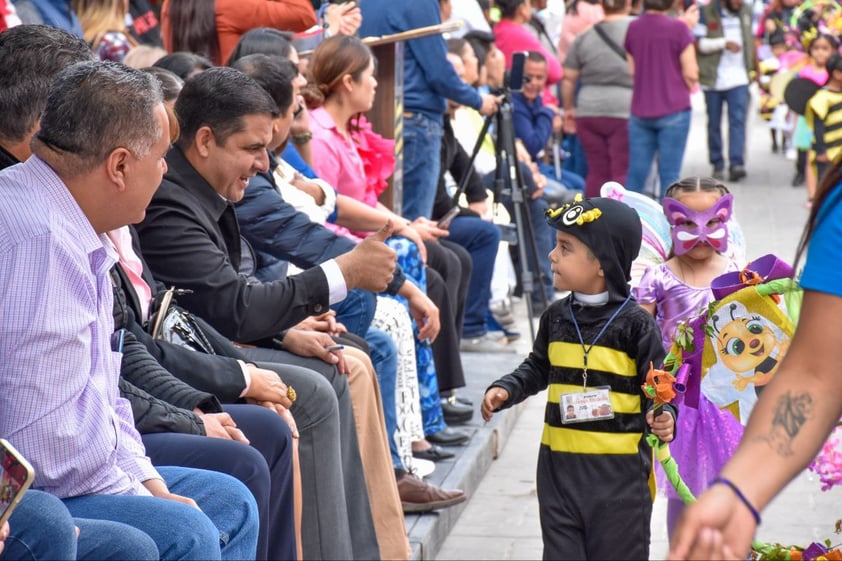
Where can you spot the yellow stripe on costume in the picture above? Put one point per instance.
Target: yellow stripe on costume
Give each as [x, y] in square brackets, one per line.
[604, 359]
[620, 402]
[574, 441]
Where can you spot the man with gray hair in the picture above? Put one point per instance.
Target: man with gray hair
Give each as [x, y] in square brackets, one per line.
[97, 160]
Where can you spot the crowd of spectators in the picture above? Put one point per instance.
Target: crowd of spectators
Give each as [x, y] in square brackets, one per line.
[217, 341]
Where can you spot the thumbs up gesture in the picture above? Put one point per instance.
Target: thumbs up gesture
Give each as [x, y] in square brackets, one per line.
[371, 264]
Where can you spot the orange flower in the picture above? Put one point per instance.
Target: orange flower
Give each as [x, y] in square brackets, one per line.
[659, 385]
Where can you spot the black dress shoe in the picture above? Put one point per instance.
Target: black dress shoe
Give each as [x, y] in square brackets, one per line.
[736, 173]
[451, 395]
[448, 437]
[455, 412]
[433, 453]
[464, 401]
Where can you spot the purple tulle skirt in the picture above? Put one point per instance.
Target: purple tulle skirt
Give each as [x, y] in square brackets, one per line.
[705, 439]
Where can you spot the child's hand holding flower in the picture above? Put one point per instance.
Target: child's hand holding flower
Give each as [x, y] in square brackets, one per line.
[662, 426]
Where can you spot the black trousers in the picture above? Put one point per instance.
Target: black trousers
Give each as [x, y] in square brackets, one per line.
[448, 275]
[593, 508]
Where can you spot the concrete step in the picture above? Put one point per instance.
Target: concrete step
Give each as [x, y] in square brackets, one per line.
[466, 470]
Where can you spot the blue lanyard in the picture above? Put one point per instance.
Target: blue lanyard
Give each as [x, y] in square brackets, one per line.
[586, 350]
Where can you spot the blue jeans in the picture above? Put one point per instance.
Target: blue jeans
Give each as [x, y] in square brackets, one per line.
[665, 136]
[737, 100]
[225, 528]
[356, 311]
[384, 358]
[42, 529]
[421, 163]
[577, 162]
[264, 466]
[481, 239]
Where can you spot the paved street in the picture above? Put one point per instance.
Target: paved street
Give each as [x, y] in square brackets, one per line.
[500, 520]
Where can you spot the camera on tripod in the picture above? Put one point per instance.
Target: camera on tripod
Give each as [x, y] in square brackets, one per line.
[514, 78]
[508, 183]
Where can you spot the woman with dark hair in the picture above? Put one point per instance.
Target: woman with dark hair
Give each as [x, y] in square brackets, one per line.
[343, 86]
[662, 59]
[797, 409]
[262, 40]
[212, 29]
[171, 85]
[183, 64]
[511, 35]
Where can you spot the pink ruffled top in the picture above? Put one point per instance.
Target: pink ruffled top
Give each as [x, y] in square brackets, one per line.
[358, 165]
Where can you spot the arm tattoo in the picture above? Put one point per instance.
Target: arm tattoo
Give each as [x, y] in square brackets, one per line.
[791, 412]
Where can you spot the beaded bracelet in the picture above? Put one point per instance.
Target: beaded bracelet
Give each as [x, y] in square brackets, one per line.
[729, 483]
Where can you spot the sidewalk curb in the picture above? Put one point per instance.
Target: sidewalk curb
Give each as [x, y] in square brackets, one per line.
[427, 532]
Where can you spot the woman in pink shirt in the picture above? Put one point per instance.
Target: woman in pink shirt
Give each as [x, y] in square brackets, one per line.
[511, 36]
[342, 73]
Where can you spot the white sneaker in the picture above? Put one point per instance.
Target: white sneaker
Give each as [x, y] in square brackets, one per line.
[502, 312]
[488, 343]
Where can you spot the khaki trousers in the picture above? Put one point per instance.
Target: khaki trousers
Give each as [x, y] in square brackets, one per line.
[386, 509]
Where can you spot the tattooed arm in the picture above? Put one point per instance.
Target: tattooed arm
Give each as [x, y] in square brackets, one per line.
[793, 417]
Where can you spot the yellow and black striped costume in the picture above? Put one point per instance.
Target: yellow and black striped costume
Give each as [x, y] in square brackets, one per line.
[594, 478]
[824, 115]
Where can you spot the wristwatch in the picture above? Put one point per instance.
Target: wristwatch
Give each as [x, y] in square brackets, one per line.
[302, 138]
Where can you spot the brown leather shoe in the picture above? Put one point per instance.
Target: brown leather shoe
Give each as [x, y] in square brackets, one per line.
[419, 496]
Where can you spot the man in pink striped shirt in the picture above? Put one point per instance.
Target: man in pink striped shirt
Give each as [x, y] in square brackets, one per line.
[97, 160]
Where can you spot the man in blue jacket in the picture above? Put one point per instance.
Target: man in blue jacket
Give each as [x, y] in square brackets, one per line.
[429, 80]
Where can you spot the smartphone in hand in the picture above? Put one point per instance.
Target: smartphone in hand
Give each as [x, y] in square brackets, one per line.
[16, 477]
[444, 222]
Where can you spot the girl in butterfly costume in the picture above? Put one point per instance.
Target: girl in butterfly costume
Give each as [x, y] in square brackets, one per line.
[698, 211]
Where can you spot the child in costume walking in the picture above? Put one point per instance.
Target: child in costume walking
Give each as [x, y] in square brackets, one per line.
[824, 115]
[698, 209]
[592, 351]
[820, 49]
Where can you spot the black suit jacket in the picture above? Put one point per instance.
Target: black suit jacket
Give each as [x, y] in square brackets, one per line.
[190, 239]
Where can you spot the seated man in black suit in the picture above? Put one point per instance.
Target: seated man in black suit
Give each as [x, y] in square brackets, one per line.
[190, 239]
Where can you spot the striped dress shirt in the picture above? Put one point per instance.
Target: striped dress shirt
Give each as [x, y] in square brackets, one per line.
[59, 402]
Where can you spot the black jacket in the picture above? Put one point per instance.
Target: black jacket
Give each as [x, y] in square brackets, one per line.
[160, 401]
[219, 374]
[457, 161]
[6, 159]
[190, 239]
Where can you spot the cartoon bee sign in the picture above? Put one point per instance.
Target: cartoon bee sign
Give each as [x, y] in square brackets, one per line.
[747, 335]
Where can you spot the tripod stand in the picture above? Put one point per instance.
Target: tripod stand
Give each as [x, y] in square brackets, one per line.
[508, 181]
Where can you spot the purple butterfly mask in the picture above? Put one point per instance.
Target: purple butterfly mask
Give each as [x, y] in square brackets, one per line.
[691, 227]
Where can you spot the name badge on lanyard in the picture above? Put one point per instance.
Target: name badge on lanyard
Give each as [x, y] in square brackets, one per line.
[593, 404]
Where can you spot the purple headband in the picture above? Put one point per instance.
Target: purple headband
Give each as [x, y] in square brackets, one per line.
[691, 227]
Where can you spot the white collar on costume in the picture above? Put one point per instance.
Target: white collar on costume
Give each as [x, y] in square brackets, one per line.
[591, 299]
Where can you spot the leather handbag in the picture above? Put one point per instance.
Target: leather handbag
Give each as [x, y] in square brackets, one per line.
[176, 325]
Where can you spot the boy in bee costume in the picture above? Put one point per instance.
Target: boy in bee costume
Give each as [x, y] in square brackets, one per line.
[593, 347]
